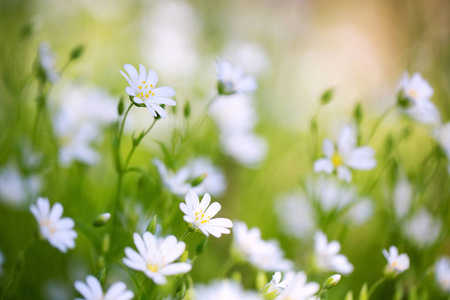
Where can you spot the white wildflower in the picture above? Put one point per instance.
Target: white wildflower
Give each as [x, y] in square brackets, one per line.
[298, 288]
[232, 79]
[328, 257]
[247, 148]
[396, 263]
[361, 212]
[442, 273]
[403, 196]
[92, 290]
[422, 228]
[224, 290]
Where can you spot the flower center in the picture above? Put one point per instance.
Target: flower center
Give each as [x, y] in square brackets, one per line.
[411, 94]
[337, 160]
[200, 218]
[152, 267]
[144, 90]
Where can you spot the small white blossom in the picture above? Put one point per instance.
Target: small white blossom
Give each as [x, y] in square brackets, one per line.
[58, 231]
[423, 229]
[403, 196]
[275, 287]
[415, 94]
[224, 290]
[47, 61]
[232, 79]
[442, 135]
[156, 256]
[442, 273]
[361, 212]
[396, 263]
[92, 290]
[199, 215]
[247, 148]
[345, 155]
[328, 257]
[143, 90]
[266, 255]
[298, 288]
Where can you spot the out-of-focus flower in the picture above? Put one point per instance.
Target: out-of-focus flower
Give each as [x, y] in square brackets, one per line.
[143, 90]
[442, 135]
[156, 256]
[224, 290]
[58, 231]
[247, 148]
[296, 215]
[232, 79]
[266, 255]
[16, 189]
[199, 175]
[347, 155]
[403, 195]
[2, 260]
[298, 288]
[252, 57]
[47, 61]
[414, 99]
[199, 215]
[92, 290]
[442, 273]
[422, 228]
[332, 281]
[361, 212]
[275, 287]
[396, 263]
[327, 255]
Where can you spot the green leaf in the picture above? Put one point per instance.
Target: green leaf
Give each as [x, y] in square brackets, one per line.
[349, 296]
[364, 294]
[76, 52]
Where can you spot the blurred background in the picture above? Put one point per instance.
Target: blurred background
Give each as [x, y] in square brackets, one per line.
[295, 50]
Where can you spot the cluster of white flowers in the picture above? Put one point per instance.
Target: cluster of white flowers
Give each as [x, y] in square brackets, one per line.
[92, 290]
[199, 174]
[293, 287]
[266, 255]
[81, 114]
[224, 290]
[345, 155]
[236, 116]
[327, 255]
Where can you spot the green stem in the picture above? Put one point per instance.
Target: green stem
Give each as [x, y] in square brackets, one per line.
[184, 234]
[319, 294]
[378, 122]
[374, 286]
[227, 267]
[136, 144]
[141, 290]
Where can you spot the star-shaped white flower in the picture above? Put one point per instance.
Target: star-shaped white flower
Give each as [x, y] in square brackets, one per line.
[346, 155]
[143, 90]
[156, 256]
[328, 257]
[296, 287]
[58, 231]
[232, 79]
[199, 215]
[92, 290]
[396, 263]
[442, 273]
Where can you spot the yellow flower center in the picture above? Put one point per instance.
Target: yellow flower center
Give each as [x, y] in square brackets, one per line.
[200, 218]
[152, 267]
[144, 91]
[337, 160]
[412, 94]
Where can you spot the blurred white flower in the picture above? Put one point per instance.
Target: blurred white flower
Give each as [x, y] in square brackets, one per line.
[58, 231]
[442, 273]
[92, 290]
[224, 290]
[298, 288]
[296, 215]
[247, 148]
[47, 61]
[156, 256]
[199, 175]
[403, 196]
[327, 255]
[266, 255]
[396, 263]
[361, 212]
[347, 155]
[16, 189]
[252, 57]
[442, 136]
[199, 215]
[276, 286]
[143, 90]
[414, 99]
[2, 260]
[422, 228]
[232, 79]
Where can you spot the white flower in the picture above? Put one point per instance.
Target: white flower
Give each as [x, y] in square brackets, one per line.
[328, 257]
[298, 288]
[247, 148]
[92, 290]
[2, 260]
[232, 79]
[252, 57]
[16, 189]
[347, 155]
[442, 273]
[47, 61]
[442, 135]
[276, 286]
[143, 90]
[423, 229]
[361, 212]
[224, 290]
[266, 255]
[199, 215]
[403, 196]
[396, 263]
[58, 231]
[296, 215]
[415, 94]
[156, 256]
[179, 183]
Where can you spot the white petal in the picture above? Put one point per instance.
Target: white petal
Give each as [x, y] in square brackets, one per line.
[323, 165]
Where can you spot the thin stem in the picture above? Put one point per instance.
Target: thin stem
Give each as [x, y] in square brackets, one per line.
[184, 234]
[135, 145]
[378, 122]
[141, 290]
[374, 286]
[319, 294]
[227, 267]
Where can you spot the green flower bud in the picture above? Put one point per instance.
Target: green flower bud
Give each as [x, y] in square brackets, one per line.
[331, 282]
[261, 280]
[181, 291]
[358, 113]
[327, 96]
[153, 224]
[185, 256]
[349, 296]
[198, 180]
[76, 52]
[120, 107]
[105, 243]
[236, 276]
[187, 109]
[364, 294]
[101, 220]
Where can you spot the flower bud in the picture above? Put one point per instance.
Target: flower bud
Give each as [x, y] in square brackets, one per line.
[402, 100]
[332, 281]
[225, 88]
[184, 257]
[181, 291]
[76, 52]
[187, 109]
[101, 220]
[120, 107]
[261, 280]
[198, 180]
[105, 243]
[236, 276]
[201, 246]
[327, 96]
[152, 226]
